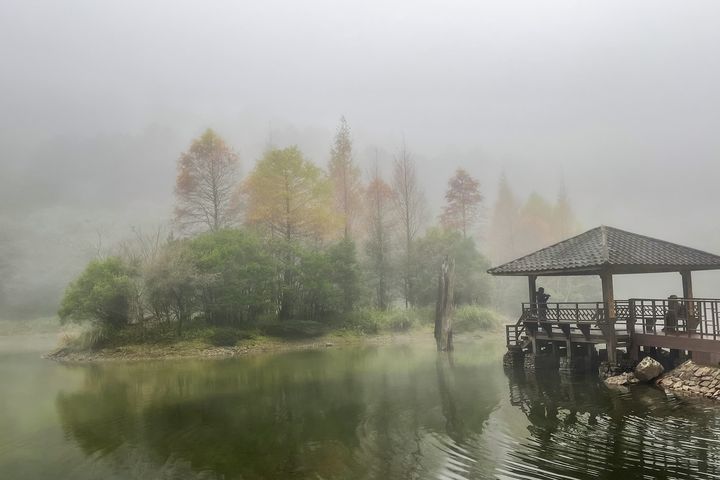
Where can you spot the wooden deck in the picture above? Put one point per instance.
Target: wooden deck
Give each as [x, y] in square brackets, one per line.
[688, 324]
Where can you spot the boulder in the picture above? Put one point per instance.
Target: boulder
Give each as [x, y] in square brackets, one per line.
[648, 369]
[622, 379]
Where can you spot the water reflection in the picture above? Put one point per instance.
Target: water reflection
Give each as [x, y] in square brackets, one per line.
[365, 413]
[376, 413]
[578, 428]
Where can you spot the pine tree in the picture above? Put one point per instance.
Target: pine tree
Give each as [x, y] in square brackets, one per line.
[345, 177]
[504, 225]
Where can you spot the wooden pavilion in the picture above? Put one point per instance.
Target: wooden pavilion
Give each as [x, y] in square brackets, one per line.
[576, 328]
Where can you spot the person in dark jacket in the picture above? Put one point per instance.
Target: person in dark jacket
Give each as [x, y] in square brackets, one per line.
[542, 298]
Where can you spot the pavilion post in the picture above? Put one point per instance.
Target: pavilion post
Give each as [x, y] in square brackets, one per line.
[532, 290]
[610, 317]
[688, 293]
[687, 284]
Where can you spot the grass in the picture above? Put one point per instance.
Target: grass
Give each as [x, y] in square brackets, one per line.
[473, 318]
[199, 334]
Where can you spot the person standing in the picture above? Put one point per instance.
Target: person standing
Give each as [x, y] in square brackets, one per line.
[542, 298]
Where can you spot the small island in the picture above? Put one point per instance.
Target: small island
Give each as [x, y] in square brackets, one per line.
[272, 261]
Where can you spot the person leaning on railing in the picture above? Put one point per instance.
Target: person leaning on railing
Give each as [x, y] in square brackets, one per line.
[675, 309]
[542, 299]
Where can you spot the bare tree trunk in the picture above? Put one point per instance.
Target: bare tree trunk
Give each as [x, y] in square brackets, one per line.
[444, 307]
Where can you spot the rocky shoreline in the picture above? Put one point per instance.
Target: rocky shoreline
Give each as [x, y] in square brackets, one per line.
[692, 379]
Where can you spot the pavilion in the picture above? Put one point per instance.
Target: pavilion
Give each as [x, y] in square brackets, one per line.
[685, 323]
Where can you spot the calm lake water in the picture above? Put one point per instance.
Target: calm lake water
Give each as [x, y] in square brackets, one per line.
[390, 412]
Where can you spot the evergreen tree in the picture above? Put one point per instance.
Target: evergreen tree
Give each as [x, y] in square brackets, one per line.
[345, 177]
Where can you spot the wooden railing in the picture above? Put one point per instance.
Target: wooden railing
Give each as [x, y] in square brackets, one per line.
[566, 319]
[692, 317]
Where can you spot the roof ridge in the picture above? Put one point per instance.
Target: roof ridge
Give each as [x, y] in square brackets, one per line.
[592, 251]
[605, 244]
[662, 241]
[546, 248]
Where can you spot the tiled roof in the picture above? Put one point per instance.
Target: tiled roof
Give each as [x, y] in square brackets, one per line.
[606, 248]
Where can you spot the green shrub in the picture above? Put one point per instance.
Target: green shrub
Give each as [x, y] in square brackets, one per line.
[365, 321]
[227, 337]
[100, 295]
[470, 318]
[294, 329]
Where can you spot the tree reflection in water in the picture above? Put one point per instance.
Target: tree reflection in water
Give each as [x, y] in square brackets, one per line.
[357, 413]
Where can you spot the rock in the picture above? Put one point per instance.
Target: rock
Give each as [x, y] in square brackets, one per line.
[648, 369]
[622, 379]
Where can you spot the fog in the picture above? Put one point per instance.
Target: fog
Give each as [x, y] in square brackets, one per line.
[618, 99]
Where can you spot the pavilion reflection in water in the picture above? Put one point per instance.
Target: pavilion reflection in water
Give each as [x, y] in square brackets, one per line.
[579, 428]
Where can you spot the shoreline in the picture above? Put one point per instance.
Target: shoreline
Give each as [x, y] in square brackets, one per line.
[193, 350]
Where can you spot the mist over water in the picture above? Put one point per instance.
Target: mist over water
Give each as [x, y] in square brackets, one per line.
[617, 100]
[397, 411]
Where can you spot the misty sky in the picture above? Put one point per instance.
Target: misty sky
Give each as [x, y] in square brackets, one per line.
[97, 100]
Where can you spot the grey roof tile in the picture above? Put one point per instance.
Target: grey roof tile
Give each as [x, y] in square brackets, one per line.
[608, 248]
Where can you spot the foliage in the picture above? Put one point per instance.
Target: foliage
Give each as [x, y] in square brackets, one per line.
[462, 210]
[345, 177]
[99, 295]
[373, 321]
[295, 329]
[175, 285]
[289, 197]
[470, 318]
[380, 225]
[410, 209]
[243, 273]
[225, 337]
[471, 281]
[205, 185]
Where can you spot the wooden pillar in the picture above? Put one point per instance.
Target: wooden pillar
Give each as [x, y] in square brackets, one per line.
[532, 290]
[688, 293]
[610, 317]
[687, 284]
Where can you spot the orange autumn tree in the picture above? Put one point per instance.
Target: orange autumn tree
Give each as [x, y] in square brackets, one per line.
[289, 197]
[463, 197]
[206, 180]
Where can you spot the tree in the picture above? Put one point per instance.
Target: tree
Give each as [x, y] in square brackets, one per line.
[206, 180]
[410, 207]
[536, 224]
[472, 283]
[378, 245]
[504, 225]
[174, 283]
[243, 274]
[345, 177]
[463, 197]
[564, 221]
[345, 272]
[289, 196]
[100, 295]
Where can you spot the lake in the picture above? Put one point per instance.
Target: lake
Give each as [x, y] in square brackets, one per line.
[381, 412]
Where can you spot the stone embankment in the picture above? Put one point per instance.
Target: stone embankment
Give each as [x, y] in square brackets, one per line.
[693, 379]
[645, 371]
